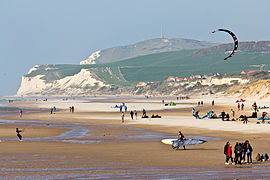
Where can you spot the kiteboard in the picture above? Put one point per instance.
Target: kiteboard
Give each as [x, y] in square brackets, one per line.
[186, 142]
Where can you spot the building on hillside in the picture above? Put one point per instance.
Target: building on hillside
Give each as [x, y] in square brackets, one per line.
[250, 72]
[187, 78]
[171, 79]
[141, 84]
[179, 79]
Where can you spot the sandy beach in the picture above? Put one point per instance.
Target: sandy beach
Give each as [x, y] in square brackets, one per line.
[93, 143]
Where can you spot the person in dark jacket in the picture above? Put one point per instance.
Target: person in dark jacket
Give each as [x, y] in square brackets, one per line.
[244, 150]
[238, 150]
[228, 153]
[249, 153]
[223, 114]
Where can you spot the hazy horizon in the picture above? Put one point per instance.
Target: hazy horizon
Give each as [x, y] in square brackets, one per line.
[66, 32]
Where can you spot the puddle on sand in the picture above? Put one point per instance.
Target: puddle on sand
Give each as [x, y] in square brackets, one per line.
[77, 131]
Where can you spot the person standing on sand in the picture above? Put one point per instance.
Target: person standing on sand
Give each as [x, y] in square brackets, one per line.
[238, 150]
[20, 111]
[213, 103]
[123, 117]
[233, 113]
[238, 106]
[131, 114]
[120, 108]
[125, 108]
[72, 109]
[136, 115]
[51, 110]
[242, 106]
[249, 153]
[228, 153]
[18, 134]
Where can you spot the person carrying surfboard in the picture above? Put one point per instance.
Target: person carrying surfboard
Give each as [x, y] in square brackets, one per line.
[181, 138]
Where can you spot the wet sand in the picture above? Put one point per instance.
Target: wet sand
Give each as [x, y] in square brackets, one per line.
[116, 150]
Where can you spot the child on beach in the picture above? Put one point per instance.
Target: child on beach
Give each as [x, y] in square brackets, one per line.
[20, 111]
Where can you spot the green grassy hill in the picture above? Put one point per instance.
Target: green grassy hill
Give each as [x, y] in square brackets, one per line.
[157, 67]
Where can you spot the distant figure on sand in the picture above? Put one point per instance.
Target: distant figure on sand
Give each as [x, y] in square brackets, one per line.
[120, 108]
[131, 114]
[123, 117]
[20, 111]
[238, 106]
[233, 113]
[242, 106]
[18, 133]
[135, 112]
[72, 109]
[51, 110]
[213, 103]
[54, 108]
[245, 119]
[125, 108]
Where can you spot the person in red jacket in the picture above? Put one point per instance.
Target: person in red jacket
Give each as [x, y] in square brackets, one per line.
[228, 152]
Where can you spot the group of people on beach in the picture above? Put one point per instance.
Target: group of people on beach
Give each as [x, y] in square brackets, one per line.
[262, 157]
[241, 151]
[71, 109]
[53, 109]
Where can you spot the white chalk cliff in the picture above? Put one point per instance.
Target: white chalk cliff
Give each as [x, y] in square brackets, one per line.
[82, 83]
[91, 59]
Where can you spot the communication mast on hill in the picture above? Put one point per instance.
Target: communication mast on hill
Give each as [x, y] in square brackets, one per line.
[161, 33]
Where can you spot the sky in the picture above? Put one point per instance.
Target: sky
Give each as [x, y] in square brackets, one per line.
[68, 31]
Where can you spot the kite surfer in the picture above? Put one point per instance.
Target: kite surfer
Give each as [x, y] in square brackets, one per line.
[18, 134]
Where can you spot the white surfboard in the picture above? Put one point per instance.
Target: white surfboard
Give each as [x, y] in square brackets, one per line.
[185, 143]
[168, 141]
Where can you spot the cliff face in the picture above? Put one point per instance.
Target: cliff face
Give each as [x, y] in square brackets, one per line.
[82, 83]
[259, 89]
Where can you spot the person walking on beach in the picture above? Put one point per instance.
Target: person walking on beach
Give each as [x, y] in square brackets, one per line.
[123, 117]
[249, 153]
[228, 153]
[181, 138]
[233, 113]
[238, 106]
[131, 114]
[51, 110]
[242, 106]
[18, 134]
[136, 115]
[213, 103]
[125, 108]
[20, 111]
